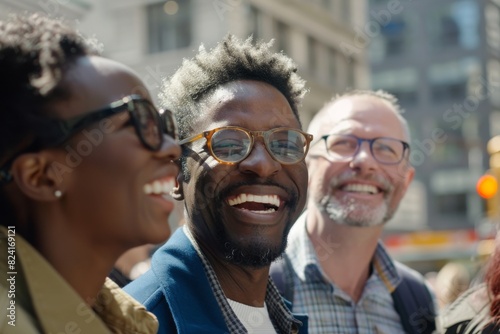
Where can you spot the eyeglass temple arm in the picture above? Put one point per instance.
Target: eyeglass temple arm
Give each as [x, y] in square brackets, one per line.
[311, 137]
[192, 139]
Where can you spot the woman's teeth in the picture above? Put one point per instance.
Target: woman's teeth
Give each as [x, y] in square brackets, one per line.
[159, 187]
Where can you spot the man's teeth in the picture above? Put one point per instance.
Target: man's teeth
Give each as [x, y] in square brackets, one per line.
[361, 188]
[264, 199]
[159, 187]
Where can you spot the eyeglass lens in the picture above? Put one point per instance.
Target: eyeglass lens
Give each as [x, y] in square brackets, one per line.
[233, 145]
[385, 150]
[151, 125]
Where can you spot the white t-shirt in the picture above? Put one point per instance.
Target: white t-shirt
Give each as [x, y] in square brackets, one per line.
[255, 319]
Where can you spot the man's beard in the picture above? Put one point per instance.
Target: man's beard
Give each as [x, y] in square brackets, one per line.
[352, 212]
[255, 252]
[355, 213]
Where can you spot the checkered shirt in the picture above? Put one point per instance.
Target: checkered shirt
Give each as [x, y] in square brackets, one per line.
[330, 309]
[281, 317]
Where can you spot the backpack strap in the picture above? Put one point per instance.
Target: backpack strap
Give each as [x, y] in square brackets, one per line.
[414, 302]
[281, 275]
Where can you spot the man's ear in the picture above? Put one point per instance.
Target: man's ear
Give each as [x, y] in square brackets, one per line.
[409, 176]
[178, 191]
[39, 176]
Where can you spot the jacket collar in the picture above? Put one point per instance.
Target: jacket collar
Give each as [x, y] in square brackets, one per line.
[57, 306]
[177, 261]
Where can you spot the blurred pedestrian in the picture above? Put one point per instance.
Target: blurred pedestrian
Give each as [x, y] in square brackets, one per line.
[131, 264]
[451, 281]
[478, 309]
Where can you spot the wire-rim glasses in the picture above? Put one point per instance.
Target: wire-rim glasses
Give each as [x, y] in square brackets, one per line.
[232, 144]
[386, 150]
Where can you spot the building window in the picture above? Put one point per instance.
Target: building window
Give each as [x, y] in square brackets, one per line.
[455, 24]
[492, 27]
[493, 70]
[332, 66]
[453, 152]
[494, 121]
[451, 204]
[169, 25]
[394, 33]
[402, 83]
[255, 24]
[282, 36]
[450, 147]
[395, 39]
[443, 92]
[312, 55]
[449, 81]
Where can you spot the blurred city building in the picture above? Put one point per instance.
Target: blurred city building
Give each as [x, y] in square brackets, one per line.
[154, 36]
[441, 59]
[72, 10]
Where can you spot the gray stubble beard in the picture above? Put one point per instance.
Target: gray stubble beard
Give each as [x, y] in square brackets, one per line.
[355, 214]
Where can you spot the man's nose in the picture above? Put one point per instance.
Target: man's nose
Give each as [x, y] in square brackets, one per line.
[259, 162]
[363, 159]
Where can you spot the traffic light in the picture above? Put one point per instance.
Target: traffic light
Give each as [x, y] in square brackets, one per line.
[487, 185]
[487, 188]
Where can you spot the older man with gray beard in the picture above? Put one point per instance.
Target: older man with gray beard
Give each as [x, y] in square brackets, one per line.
[335, 268]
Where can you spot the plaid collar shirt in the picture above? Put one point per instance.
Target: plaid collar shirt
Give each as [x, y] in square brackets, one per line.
[330, 309]
[281, 317]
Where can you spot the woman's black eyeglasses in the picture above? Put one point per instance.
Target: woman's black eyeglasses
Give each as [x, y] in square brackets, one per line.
[149, 124]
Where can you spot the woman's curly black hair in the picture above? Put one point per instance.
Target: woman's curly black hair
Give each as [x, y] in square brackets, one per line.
[35, 52]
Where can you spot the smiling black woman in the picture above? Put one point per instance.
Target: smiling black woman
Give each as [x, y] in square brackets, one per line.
[65, 221]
